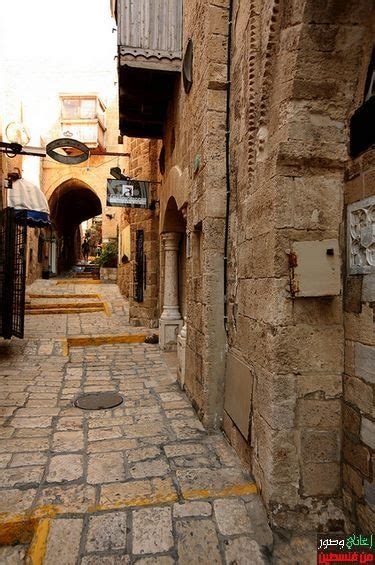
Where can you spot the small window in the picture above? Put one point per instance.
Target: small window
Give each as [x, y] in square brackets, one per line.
[362, 131]
[79, 108]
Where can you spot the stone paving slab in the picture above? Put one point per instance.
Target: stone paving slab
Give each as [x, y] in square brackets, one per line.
[141, 483]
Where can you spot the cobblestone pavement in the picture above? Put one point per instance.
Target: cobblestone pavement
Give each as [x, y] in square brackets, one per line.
[142, 483]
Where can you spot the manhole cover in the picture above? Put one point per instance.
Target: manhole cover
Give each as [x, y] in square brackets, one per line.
[99, 400]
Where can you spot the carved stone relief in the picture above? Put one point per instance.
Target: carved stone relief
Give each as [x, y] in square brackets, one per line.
[361, 236]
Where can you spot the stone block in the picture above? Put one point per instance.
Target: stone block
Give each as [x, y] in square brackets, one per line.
[352, 479]
[107, 531]
[217, 76]
[193, 481]
[231, 517]
[357, 455]
[108, 560]
[368, 288]
[320, 479]
[354, 190]
[370, 493]
[243, 551]
[65, 468]
[72, 498]
[63, 534]
[197, 543]
[368, 432]
[322, 351]
[105, 468]
[150, 468]
[67, 441]
[188, 509]
[320, 447]
[152, 530]
[218, 20]
[358, 393]
[365, 362]
[366, 518]
[351, 420]
[353, 294]
[314, 413]
[18, 476]
[259, 521]
[349, 357]
[328, 386]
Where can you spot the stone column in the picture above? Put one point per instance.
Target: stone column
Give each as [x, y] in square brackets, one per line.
[170, 320]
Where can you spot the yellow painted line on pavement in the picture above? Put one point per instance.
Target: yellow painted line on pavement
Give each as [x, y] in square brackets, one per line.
[89, 340]
[16, 529]
[135, 502]
[68, 295]
[79, 281]
[233, 490]
[37, 549]
[65, 347]
[63, 305]
[106, 308]
[34, 526]
[65, 311]
[10, 525]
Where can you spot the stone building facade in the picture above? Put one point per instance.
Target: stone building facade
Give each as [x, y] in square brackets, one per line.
[143, 165]
[275, 332]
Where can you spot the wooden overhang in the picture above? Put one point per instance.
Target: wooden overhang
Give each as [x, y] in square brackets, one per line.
[149, 61]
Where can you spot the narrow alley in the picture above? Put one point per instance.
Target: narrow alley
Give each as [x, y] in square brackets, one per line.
[187, 282]
[142, 482]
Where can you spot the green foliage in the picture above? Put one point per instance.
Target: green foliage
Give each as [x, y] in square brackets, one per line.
[109, 255]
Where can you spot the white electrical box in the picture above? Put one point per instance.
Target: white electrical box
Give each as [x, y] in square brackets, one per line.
[317, 268]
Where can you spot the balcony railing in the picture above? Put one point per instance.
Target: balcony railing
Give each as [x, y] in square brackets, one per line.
[90, 132]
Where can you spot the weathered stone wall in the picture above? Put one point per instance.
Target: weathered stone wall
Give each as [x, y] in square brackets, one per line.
[359, 377]
[295, 71]
[143, 164]
[34, 267]
[194, 179]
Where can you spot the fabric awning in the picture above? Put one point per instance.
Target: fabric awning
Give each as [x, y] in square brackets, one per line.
[25, 195]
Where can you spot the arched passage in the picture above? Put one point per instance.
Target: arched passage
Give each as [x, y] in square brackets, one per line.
[71, 203]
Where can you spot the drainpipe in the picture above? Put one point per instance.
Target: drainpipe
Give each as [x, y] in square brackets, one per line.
[227, 166]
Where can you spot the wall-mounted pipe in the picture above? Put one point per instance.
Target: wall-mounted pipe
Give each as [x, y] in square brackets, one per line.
[227, 164]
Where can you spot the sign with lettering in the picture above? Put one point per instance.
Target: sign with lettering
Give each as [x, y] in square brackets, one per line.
[127, 193]
[340, 548]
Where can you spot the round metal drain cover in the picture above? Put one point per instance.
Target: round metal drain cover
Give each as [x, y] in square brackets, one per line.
[99, 401]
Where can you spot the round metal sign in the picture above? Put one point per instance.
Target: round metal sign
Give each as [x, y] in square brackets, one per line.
[65, 142]
[99, 401]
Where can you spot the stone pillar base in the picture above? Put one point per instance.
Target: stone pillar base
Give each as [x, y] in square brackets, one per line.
[168, 332]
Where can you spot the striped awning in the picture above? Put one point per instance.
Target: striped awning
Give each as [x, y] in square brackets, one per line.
[25, 195]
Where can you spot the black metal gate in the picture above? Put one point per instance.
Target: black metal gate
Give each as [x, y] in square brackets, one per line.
[12, 272]
[139, 267]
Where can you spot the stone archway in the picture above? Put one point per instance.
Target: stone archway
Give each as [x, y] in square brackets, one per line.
[71, 203]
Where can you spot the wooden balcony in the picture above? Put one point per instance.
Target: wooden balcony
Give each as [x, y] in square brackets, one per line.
[83, 118]
[149, 60]
[90, 132]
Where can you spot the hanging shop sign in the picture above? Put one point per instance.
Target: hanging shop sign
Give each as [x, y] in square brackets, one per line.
[68, 144]
[127, 193]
